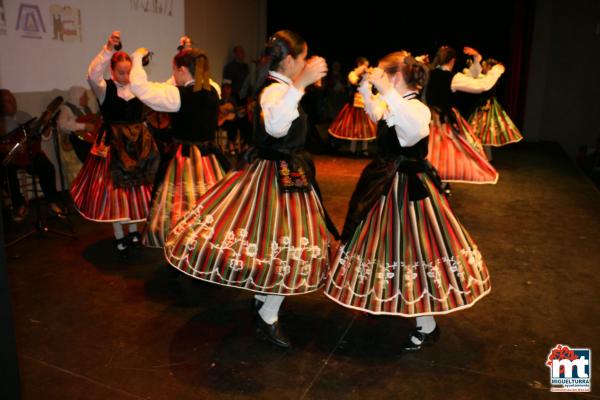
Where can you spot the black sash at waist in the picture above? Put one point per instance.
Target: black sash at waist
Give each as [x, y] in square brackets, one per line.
[412, 167]
[375, 181]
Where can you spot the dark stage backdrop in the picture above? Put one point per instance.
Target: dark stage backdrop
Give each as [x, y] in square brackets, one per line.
[375, 28]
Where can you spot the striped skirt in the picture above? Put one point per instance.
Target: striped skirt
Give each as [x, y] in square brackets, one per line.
[246, 233]
[463, 129]
[409, 258]
[186, 179]
[456, 154]
[492, 125]
[353, 123]
[97, 198]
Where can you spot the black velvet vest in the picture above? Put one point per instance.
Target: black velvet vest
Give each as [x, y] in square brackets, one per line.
[196, 120]
[389, 148]
[117, 110]
[438, 94]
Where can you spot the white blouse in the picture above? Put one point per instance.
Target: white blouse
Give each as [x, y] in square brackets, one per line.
[160, 96]
[476, 84]
[409, 117]
[279, 104]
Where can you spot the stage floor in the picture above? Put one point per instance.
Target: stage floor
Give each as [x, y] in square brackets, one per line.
[90, 326]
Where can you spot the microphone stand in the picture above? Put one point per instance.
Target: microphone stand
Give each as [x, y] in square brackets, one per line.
[40, 225]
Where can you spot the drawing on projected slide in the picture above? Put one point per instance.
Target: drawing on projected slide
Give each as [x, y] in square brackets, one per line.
[66, 22]
[30, 22]
[2, 19]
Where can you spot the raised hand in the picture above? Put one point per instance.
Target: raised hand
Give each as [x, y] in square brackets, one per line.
[380, 80]
[472, 52]
[314, 70]
[113, 40]
[423, 58]
[185, 42]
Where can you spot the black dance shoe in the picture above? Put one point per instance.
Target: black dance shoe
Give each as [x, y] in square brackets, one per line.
[134, 239]
[272, 333]
[426, 339]
[447, 189]
[122, 247]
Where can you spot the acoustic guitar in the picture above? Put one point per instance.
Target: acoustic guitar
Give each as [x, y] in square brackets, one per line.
[29, 145]
[89, 136]
[229, 112]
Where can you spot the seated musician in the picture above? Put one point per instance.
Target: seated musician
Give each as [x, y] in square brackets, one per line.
[228, 110]
[31, 159]
[74, 110]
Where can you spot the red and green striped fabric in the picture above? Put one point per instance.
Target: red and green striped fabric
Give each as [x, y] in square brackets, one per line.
[186, 180]
[352, 123]
[97, 199]
[454, 157]
[464, 129]
[409, 258]
[493, 126]
[246, 233]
